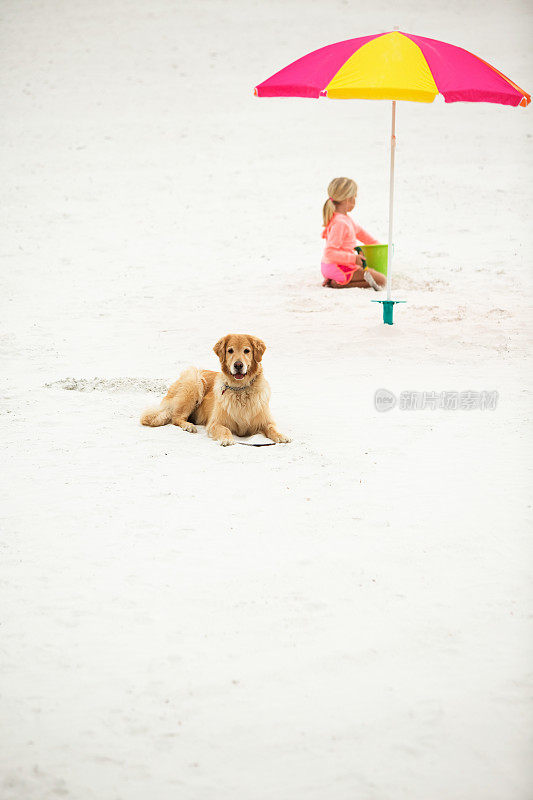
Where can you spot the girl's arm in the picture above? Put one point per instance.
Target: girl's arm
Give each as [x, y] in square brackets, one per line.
[364, 237]
[334, 251]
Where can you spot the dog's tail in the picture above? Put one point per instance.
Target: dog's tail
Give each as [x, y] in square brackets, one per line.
[156, 416]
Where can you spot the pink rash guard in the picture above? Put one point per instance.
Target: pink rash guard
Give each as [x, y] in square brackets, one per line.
[341, 235]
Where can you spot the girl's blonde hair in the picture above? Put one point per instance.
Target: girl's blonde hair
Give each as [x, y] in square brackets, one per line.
[339, 189]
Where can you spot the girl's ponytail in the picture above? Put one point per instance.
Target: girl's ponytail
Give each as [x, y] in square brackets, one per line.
[327, 211]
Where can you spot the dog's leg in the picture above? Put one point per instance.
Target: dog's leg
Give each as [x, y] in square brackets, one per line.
[222, 434]
[183, 404]
[187, 394]
[271, 432]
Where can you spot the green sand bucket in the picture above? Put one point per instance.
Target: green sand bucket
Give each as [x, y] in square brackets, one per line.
[376, 256]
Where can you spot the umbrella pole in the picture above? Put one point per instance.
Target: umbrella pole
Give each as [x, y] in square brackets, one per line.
[391, 197]
[389, 304]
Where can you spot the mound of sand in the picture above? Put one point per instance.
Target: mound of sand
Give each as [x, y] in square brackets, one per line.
[110, 385]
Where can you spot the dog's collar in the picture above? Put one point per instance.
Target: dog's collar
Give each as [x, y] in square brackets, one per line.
[237, 388]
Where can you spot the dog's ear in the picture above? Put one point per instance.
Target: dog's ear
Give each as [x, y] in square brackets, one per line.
[259, 347]
[220, 347]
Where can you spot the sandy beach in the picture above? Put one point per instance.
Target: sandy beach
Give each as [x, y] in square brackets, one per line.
[346, 617]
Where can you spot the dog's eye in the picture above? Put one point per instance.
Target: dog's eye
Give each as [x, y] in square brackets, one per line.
[246, 350]
[230, 349]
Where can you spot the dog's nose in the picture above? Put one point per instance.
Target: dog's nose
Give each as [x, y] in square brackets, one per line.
[238, 365]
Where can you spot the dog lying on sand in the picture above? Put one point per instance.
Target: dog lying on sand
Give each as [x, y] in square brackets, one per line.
[233, 401]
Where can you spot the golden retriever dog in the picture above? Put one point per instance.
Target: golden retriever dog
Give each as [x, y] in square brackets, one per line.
[234, 400]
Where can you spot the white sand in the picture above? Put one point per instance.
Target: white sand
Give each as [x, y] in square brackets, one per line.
[345, 617]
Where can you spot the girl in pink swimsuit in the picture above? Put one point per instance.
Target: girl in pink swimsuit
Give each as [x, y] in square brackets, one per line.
[341, 265]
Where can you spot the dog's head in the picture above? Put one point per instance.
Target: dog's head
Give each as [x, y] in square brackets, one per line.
[240, 357]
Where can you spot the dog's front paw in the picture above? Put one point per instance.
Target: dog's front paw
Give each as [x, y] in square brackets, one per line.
[226, 441]
[278, 437]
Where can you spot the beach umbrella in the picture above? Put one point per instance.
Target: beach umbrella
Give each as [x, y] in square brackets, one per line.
[394, 66]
